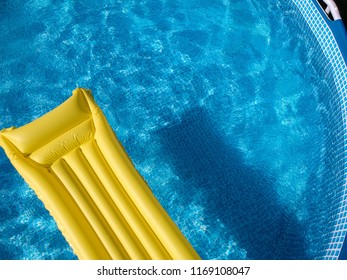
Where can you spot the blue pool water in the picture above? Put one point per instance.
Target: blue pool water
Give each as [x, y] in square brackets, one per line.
[217, 102]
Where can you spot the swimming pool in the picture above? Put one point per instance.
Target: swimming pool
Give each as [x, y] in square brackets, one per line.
[220, 105]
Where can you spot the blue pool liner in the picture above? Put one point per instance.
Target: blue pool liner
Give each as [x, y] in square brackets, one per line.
[339, 31]
[343, 253]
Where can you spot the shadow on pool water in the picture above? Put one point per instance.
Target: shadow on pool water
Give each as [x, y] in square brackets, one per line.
[242, 197]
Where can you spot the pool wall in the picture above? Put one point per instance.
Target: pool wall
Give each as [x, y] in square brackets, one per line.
[332, 53]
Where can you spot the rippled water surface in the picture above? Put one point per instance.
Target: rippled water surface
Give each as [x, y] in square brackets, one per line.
[216, 102]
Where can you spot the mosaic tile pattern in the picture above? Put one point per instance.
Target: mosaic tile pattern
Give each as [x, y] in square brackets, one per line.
[333, 65]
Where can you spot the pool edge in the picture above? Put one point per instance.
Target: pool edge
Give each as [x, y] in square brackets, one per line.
[332, 39]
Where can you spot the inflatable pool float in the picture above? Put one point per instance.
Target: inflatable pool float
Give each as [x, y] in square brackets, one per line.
[78, 168]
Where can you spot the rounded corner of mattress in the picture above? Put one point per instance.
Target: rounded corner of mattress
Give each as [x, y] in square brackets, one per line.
[3, 133]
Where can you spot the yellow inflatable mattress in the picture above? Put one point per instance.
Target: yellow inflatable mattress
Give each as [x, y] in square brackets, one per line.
[77, 167]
